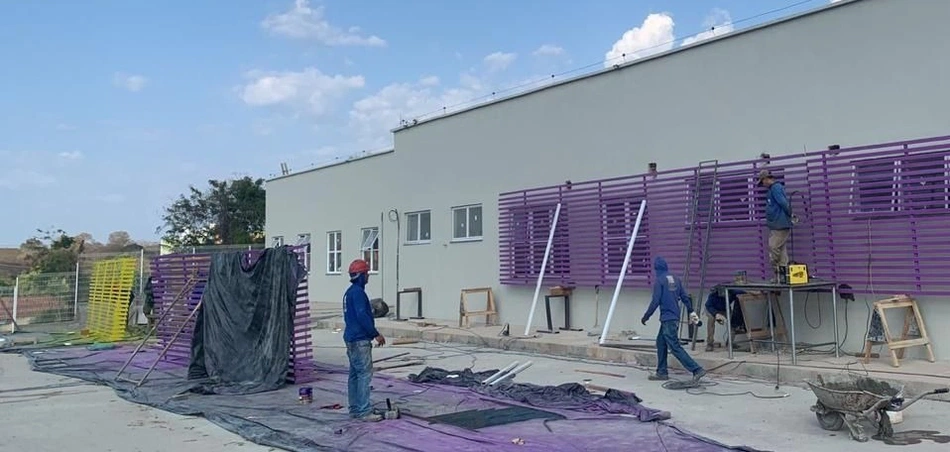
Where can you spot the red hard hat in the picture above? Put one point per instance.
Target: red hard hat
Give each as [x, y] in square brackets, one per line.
[359, 266]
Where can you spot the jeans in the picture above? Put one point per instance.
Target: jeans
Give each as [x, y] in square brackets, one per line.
[666, 341]
[360, 354]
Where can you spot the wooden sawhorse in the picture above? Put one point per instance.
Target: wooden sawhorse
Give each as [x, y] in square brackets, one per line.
[489, 311]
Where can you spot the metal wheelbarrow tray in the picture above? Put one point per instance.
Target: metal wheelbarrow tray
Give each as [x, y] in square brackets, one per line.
[848, 402]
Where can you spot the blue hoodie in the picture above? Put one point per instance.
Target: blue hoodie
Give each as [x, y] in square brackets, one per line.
[358, 313]
[666, 295]
[778, 210]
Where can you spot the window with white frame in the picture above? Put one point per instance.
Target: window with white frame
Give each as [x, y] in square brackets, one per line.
[467, 222]
[304, 240]
[369, 246]
[418, 227]
[277, 241]
[334, 252]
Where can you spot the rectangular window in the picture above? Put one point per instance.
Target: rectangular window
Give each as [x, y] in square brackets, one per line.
[467, 222]
[418, 227]
[304, 240]
[923, 182]
[875, 186]
[731, 197]
[334, 252]
[901, 183]
[369, 247]
[277, 241]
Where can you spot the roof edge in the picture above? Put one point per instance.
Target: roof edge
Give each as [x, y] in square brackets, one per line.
[621, 66]
[351, 159]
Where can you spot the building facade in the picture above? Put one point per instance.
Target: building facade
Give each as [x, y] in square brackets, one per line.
[465, 200]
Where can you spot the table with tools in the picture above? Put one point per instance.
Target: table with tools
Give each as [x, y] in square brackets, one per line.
[813, 285]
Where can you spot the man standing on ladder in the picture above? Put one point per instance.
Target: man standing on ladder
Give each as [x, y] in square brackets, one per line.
[778, 218]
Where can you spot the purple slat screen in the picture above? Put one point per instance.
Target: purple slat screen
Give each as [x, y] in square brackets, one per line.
[873, 217]
[172, 271]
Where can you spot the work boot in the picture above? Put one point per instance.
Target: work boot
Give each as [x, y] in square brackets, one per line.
[699, 374]
[371, 417]
[710, 347]
[657, 377]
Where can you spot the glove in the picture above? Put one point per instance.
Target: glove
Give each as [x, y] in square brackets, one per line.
[720, 319]
[693, 318]
[644, 320]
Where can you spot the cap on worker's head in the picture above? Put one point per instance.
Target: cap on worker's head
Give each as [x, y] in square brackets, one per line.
[763, 175]
[358, 266]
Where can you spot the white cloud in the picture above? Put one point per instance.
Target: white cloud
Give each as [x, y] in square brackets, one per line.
[717, 23]
[372, 117]
[72, 155]
[304, 22]
[131, 82]
[499, 61]
[653, 36]
[549, 50]
[309, 90]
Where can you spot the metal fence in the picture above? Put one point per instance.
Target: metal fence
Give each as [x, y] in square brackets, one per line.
[40, 298]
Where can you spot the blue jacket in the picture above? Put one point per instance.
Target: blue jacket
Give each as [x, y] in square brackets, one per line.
[358, 313]
[716, 303]
[778, 210]
[666, 294]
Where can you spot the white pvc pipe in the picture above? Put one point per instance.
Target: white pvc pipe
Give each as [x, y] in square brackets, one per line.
[16, 295]
[76, 294]
[495, 376]
[513, 373]
[544, 265]
[623, 272]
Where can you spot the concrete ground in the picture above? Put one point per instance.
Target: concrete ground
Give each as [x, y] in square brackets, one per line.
[69, 414]
[82, 417]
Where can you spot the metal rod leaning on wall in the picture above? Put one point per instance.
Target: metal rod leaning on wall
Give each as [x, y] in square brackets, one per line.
[544, 265]
[76, 294]
[16, 302]
[623, 272]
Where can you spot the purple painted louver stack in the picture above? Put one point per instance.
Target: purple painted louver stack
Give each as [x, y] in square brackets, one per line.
[873, 217]
[171, 273]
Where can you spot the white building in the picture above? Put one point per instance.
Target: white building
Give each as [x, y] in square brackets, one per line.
[851, 73]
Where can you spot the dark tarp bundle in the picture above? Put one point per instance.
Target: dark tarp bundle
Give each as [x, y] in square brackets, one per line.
[244, 330]
[568, 396]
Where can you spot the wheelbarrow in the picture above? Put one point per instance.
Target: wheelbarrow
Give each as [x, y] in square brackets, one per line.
[847, 403]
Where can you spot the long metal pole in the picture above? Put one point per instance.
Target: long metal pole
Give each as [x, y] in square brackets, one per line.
[76, 294]
[623, 272]
[544, 265]
[16, 296]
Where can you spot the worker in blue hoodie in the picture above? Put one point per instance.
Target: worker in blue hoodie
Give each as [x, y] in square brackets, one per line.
[778, 219]
[358, 334]
[668, 292]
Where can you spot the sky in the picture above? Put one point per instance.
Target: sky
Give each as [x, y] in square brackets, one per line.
[111, 109]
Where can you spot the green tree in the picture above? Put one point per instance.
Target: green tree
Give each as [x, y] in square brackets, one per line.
[52, 251]
[226, 213]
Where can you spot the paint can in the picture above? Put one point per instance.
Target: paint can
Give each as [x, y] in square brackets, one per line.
[305, 394]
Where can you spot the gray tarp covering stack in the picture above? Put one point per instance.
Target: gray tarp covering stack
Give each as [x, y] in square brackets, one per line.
[243, 333]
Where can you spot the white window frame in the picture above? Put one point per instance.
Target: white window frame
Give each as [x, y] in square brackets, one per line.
[303, 239]
[334, 237]
[468, 221]
[277, 241]
[418, 240]
[369, 244]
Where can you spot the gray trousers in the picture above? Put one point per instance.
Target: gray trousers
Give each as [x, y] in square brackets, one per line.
[778, 252]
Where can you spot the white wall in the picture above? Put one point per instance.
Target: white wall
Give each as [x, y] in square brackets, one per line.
[860, 73]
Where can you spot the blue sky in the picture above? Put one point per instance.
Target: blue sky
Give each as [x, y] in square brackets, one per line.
[110, 109]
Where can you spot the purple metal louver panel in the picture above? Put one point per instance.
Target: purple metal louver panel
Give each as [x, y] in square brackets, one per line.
[872, 217]
[170, 274]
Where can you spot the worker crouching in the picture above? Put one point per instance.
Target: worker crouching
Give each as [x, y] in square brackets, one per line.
[668, 292]
[358, 334]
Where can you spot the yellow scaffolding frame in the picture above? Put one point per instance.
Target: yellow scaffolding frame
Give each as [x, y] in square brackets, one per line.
[109, 293]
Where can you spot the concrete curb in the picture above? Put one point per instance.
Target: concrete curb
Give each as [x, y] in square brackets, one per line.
[764, 372]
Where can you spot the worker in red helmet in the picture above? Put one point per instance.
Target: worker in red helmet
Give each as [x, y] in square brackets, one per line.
[359, 333]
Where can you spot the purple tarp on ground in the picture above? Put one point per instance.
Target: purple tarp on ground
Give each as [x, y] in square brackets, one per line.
[277, 419]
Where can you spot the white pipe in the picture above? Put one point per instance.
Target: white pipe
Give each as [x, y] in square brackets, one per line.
[76, 294]
[495, 376]
[623, 272]
[544, 265]
[16, 295]
[513, 373]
